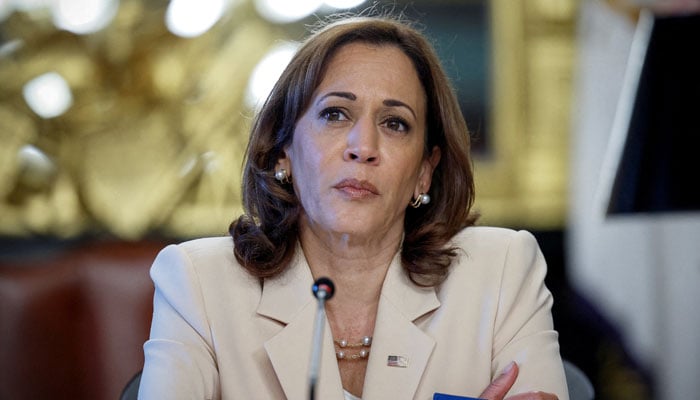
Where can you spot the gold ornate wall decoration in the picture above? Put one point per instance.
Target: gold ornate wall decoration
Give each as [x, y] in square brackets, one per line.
[154, 139]
[522, 182]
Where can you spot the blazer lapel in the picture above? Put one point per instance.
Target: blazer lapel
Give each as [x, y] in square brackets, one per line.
[288, 300]
[396, 336]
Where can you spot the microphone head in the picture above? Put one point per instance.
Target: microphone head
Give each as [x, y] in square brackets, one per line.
[323, 288]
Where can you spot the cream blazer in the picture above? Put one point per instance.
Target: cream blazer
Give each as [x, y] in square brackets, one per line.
[218, 333]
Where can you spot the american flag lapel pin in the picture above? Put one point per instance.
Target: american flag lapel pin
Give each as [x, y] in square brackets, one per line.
[397, 361]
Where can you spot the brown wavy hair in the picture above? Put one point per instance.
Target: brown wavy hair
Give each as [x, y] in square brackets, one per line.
[265, 236]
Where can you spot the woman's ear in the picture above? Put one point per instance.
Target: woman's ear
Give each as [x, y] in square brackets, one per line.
[435, 158]
[283, 163]
[430, 163]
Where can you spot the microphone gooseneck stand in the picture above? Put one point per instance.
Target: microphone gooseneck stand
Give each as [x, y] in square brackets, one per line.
[323, 290]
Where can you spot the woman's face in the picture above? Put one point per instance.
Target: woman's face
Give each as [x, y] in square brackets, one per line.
[357, 155]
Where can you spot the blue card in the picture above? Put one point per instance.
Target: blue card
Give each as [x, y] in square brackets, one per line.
[443, 396]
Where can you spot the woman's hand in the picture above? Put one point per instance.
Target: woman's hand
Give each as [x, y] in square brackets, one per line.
[500, 386]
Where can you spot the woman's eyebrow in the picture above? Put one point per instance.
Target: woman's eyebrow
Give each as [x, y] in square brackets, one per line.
[345, 95]
[399, 103]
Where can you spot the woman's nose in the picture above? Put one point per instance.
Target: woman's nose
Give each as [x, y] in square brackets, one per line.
[363, 143]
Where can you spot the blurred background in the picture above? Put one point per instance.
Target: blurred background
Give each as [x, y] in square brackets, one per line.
[123, 124]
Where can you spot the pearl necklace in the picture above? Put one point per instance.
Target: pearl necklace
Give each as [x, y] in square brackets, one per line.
[341, 354]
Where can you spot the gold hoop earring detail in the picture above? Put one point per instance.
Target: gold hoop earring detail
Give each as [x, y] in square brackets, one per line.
[422, 198]
[282, 176]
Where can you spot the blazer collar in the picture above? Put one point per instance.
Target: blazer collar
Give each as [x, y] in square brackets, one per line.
[288, 299]
[400, 305]
[285, 296]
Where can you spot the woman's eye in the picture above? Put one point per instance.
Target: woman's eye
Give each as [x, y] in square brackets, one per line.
[396, 124]
[333, 114]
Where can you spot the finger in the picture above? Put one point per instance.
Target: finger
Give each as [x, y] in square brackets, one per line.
[500, 386]
[534, 396]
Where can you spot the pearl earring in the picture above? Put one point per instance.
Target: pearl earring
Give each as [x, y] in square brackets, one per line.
[282, 176]
[422, 198]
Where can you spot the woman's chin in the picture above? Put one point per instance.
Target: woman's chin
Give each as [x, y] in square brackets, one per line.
[365, 234]
[356, 223]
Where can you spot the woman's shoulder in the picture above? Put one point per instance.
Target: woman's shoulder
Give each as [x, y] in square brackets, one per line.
[490, 235]
[210, 256]
[204, 282]
[215, 246]
[486, 253]
[493, 243]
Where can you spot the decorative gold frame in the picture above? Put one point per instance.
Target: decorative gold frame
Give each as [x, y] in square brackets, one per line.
[522, 182]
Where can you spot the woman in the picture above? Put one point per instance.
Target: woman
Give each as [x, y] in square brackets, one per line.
[357, 169]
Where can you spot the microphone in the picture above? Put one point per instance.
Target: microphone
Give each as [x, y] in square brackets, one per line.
[323, 289]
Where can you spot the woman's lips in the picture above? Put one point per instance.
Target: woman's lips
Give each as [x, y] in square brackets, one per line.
[356, 189]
